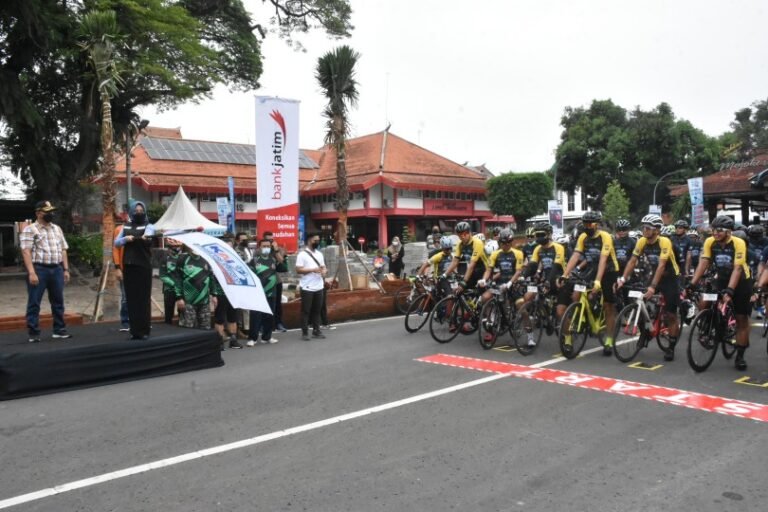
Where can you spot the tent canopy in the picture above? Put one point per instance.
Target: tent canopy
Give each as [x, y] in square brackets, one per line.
[182, 214]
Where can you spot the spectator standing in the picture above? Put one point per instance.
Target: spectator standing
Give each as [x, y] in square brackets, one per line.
[167, 273]
[194, 286]
[310, 265]
[263, 265]
[44, 250]
[278, 254]
[117, 260]
[395, 253]
[135, 237]
[244, 248]
[224, 315]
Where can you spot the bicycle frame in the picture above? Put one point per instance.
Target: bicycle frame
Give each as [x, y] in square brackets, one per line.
[585, 312]
[643, 314]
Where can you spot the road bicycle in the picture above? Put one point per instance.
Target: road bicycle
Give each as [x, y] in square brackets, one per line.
[714, 325]
[640, 322]
[498, 316]
[581, 319]
[539, 314]
[455, 314]
[420, 307]
[404, 296]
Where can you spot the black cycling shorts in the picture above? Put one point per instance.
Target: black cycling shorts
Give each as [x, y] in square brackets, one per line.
[669, 287]
[741, 297]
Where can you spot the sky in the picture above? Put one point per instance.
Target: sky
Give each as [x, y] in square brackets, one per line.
[486, 82]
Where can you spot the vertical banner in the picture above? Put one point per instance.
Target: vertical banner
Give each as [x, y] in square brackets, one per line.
[696, 189]
[277, 169]
[555, 211]
[232, 209]
[302, 230]
[222, 211]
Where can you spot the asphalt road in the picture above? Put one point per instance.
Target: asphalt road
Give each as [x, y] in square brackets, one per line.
[357, 422]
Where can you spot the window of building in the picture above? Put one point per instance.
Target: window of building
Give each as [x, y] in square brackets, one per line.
[571, 202]
[409, 194]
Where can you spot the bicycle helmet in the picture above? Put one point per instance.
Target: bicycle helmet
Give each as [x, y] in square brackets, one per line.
[505, 236]
[682, 223]
[740, 233]
[622, 225]
[542, 227]
[722, 222]
[463, 227]
[563, 240]
[529, 232]
[652, 220]
[755, 231]
[491, 246]
[446, 242]
[480, 237]
[693, 232]
[592, 216]
[635, 234]
[667, 230]
[496, 230]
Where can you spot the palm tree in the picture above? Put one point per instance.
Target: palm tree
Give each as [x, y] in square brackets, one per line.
[335, 73]
[98, 35]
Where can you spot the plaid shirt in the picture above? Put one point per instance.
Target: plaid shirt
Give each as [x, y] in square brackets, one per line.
[47, 243]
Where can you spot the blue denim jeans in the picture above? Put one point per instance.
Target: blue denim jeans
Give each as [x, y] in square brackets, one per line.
[51, 279]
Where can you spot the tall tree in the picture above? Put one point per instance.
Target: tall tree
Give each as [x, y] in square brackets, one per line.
[750, 130]
[523, 195]
[335, 73]
[174, 51]
[615, 203]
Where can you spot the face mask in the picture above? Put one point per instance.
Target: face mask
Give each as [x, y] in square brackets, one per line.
[265, 251]
[541, 240]
[139, 218]
[48, 217]
[244, 243]
[315, 245]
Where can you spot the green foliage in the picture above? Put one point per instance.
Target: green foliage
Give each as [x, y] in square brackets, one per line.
[169, 52]
[615, 203]
[155, 211]
[405, 236]
[750, 130]
[605, 142]
[85, 249]
[523, 195]
[681, 208]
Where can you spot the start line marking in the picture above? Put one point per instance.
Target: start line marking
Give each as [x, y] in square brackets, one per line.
[691, 400]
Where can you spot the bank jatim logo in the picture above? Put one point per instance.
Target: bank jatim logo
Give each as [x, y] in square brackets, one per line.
[278, 118]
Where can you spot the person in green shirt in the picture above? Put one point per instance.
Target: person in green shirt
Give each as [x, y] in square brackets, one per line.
[263, 265]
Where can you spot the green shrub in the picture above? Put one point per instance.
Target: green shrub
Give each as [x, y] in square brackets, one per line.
[85, 249]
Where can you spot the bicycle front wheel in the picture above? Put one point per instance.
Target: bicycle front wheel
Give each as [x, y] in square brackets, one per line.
[629, 335]
[702, 341]
[536, 323]
[418, 312]
[443, 322]
[403, 297]
[573, 331]
[491, 321]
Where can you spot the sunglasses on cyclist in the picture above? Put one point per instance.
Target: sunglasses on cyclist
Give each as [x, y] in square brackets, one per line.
[590, 224]
[719, 230]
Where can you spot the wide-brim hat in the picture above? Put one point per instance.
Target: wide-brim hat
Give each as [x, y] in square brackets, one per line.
[45, 206]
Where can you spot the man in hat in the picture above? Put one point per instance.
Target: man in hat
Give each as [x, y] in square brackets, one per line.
[44, 250]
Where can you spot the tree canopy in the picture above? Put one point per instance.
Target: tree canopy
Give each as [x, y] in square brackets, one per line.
[170, 52]
[615, 203]
[750, 132]
[523, 195]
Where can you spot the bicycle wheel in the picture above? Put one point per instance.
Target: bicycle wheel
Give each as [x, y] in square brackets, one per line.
[403, 297]
[443, 322]
[629, 335]
[702, 341]
[536, 323]
[418, 312]
[491, 322]
[572, 335]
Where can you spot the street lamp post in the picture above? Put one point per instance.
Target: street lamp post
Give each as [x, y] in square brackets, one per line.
[129, 140]
[668, 174]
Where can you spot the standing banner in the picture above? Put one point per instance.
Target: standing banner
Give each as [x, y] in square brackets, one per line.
[698, 215]
[277, 169]
[555, 211]
[222, 211]
[240, 284]
[232, 209]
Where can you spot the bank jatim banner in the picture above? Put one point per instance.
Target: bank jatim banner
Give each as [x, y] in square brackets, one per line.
[277, 169]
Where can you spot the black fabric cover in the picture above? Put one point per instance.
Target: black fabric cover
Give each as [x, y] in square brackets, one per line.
[99, 354]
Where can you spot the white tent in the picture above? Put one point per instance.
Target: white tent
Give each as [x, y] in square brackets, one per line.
[182, 214]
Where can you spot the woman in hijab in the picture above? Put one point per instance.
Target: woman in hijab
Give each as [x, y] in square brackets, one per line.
[136, 240]
[395, 254]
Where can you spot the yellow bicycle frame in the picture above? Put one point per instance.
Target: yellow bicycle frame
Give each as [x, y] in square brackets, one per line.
[596, 325]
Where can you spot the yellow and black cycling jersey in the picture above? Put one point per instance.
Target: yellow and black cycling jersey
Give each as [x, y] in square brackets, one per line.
[726, 257]
[440, 261]
[549, 256]
[595, 246]
[472, 251]
[506, 262]
[661, 249]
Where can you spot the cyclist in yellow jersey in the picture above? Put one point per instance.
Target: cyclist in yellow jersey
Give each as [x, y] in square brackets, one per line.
[661, 255]
[439, 263]
[504, 266]
[596, 246]
[469, 257]
[729, 254]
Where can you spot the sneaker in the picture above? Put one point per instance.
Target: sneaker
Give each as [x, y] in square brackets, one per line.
[270, 341]
[328, 327]
[669, 355]
[34, 338]
[124, 328]
[305, 337]
[531, 342]
[233, 343]
[318, 335]
[740, 363]
[63, 335]
[608, 349]
[281, 328]
[250, 343]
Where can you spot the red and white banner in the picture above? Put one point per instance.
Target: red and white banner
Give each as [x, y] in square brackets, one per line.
[277, 169]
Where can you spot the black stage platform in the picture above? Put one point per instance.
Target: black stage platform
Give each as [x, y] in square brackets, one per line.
[99, 354]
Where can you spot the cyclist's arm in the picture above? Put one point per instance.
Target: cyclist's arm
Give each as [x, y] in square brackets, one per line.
[424, 267]
[452, 267]
[575, 257]
[631, 264]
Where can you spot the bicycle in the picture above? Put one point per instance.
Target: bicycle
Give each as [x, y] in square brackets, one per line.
[453, 315]
[405, 295]
[581, 319]
[713, 325]
[421, 306]
[497, 316]
[542, 317]
[638, 323]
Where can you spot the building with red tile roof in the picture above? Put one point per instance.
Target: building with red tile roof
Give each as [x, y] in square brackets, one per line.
[393, 183]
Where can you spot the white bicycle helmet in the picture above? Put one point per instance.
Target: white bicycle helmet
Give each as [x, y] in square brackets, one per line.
[491, 246]
[654, 220]
[480, 237]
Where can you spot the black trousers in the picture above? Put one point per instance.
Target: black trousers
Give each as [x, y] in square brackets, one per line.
[278, 309]
[138, 294]
[311, 303]
[169, 305]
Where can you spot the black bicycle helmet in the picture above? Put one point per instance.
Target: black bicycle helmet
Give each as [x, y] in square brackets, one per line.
[463, 227]
[722, 222]
[755, 231]
[622, 225]
[542, 227]
[505, 236]
[682, 223]
[496, 230]
[592, 216]
[739, 233]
